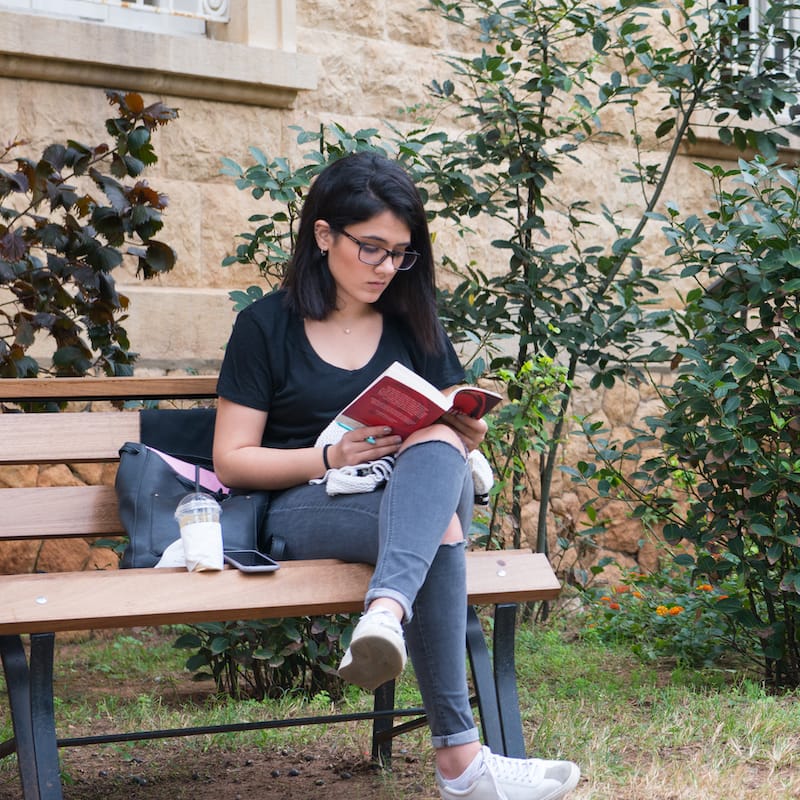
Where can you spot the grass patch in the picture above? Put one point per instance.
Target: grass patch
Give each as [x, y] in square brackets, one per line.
[651, 729]
[637, 729]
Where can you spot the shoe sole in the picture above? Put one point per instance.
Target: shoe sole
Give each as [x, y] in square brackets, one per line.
[373, 662]
[557, 794]
[571, 783]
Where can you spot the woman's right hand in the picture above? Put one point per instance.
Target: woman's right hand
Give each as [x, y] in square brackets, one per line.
[363, 444]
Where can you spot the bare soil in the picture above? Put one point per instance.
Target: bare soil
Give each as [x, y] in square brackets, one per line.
[174, 771]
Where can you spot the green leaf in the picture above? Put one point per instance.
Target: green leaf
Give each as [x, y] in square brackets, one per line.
[104, 258]
[219, 644]
[113, 190]
[158, 257]
[665, 127]
[187, 640]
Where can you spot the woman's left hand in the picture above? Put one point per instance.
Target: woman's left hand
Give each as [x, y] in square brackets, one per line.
[472, 431]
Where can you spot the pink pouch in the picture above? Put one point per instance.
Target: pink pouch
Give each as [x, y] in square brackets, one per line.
[208, 479]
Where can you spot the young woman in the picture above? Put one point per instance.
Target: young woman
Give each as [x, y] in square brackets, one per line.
[358, 295]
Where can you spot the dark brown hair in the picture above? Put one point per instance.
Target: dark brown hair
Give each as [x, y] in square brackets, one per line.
[355, 189]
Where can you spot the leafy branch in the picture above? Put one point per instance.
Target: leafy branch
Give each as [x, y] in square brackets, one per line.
[60, 241]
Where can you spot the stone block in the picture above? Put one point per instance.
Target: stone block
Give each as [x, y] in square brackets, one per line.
[613, 574]
[567, 507]
[18, 476]
[190, 148]
[18, 556]
[649, 556]
[63, 555]
[620, 403]
[181, 325]
[90, 474]
[182, 228]
[225, 215]
[416, 27]
[10, 99]
[109, 474]
[379, 92]
[49, 113]
[101, 558]
[57, 475]
[623, 535]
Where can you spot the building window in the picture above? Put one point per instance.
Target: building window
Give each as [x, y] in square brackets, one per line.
[774, 48]
[238, 51]
[186, 17]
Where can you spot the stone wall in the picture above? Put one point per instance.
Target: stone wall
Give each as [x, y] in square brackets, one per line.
[55, 555]
[373, 60]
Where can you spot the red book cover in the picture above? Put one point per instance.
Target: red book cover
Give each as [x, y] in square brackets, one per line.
[407, 402]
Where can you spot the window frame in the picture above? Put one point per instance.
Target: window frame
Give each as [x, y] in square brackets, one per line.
[133, 15]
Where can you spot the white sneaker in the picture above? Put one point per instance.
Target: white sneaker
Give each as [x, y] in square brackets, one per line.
[505, 778]
[377, 651]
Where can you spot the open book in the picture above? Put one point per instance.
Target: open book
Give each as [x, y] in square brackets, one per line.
[406, 402]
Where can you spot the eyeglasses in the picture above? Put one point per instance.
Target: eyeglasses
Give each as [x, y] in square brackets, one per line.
[374, 254]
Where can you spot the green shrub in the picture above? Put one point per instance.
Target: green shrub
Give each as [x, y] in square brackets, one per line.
[726, 477]
[67, 219]
[267, 658]
[665, 614]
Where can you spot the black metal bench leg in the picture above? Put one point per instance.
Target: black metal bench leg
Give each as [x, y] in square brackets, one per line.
[30, 695]
[483, 680]
[382, 747]
[43, 716]
[15, 667]
[505, 679]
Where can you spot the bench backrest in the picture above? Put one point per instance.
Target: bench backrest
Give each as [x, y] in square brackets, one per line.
[75, 436]
[46, 512]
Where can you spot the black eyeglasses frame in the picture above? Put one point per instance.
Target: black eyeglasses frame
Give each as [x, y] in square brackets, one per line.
[393, 254]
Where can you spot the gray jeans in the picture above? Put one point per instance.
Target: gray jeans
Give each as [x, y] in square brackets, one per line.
[399, 529]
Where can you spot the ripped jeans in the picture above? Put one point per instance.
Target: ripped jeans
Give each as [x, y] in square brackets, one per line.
[399, 529]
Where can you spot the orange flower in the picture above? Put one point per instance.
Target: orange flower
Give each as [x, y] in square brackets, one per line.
[636, 593]
[675, 610]
[621, 589]
[705, 587]
[722, 597]
[605, 599]
[662, 611]
[614, 606]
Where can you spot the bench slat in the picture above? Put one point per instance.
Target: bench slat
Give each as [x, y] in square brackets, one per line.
[124, 598]
[188, 387]
[81, 511]
[66, 437]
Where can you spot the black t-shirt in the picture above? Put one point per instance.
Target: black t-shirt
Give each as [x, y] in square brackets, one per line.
[270, 365]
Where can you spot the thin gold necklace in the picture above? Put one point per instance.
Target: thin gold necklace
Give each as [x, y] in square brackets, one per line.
[347, 330]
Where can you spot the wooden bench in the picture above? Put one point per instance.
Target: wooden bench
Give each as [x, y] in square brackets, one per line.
[39, 606]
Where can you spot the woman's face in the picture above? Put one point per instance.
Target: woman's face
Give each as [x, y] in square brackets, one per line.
[356, 282]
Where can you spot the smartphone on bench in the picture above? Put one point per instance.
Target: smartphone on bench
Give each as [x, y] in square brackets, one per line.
[250, 561]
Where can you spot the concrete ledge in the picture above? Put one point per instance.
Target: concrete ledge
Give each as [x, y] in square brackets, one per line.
[708, 145]
[89, 54]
